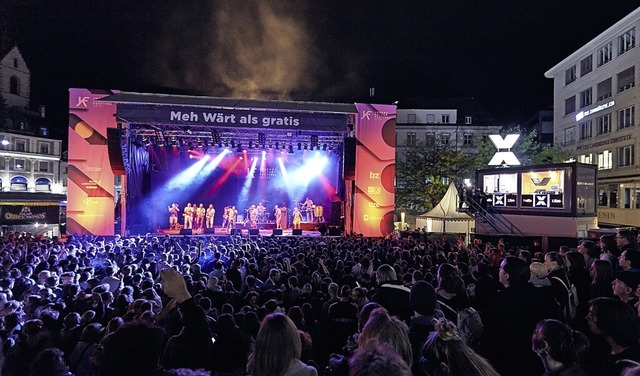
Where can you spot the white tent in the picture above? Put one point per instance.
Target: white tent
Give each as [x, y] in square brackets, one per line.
[445, 218]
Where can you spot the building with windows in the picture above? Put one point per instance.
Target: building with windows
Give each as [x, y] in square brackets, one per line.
[459, 122]
[595, 116]
[542, 124]
[33, 172]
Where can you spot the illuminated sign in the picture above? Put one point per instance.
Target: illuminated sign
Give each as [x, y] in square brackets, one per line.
[580, 115]
[504, 153]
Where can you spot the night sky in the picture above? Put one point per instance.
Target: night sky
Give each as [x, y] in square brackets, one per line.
[330, 50]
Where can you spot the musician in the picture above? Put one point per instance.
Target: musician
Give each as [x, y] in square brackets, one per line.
[174, 210]
[188, 216]
[225, 216]
[200, 213]
[308, 203]
[253, 216]
[283, 216]
[233, 213]
[319, 213]
[278, 214]
[297, 218]
[210, 213]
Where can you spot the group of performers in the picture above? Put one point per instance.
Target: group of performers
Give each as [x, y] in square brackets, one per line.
[197, 217]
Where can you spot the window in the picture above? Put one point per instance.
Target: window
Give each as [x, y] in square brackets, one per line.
[431, 118]
[43, 166]
[625, 117]
[445, 118]
[468, 120]
[586, 65]
[467, 139]
[411, 118]
[44, 148]
[613, 195]
[444, 138]
[586, 158]
[43, 185]
[604, 89]
[411, 138]
[18, 183]
[21, 145]
[569, 105]
[626, 79]
[15, 62]
[2, 164]
[570, 75]
[14, 85]
[569, 136]
[604, 54]
[625, 156]
[430, 138]
[19, 164]
[605, 160]
[604, 124]
[626, 41]
[585, 130]
[585, 98]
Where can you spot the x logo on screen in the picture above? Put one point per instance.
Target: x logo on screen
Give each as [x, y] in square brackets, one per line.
[541, 200]
[499, 200]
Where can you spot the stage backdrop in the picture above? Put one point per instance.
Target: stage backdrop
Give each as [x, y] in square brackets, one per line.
[90, 194]
[375, 130]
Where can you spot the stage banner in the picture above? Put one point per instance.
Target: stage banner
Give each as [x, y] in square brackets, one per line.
[374, 194]
[29, 213]
[90, 193]
[235, 118]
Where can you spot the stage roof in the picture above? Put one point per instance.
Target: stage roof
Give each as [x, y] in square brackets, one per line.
[216, 102]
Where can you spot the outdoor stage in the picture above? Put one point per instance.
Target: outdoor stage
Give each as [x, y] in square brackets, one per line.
[242, 231]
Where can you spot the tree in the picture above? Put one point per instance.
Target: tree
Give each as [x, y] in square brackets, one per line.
[423, 174]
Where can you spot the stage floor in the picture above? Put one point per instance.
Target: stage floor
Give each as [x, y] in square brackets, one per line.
[219, 231]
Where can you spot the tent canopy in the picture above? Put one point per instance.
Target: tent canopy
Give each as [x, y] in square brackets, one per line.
[447, 208]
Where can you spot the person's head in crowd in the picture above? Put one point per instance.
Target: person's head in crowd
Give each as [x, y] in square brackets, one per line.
[558, 346]
[295, 314]
[608, 244]
[365, 313]
[359, 296]
[113, 325]
[333, 290]
[228, 308]
[444, 353]
[377, 359]
[134, 349]
[589, 249]
[274, 275]
[538, 271]
[387, 329]
[601, 270]
[277, 346]
[625, 284]
[417, 276]
[514, 272]
[615, 321]
[575, 261]
[525, 255]
[629, 259]
[386, 273]
[554, 261]
[448, 279]
[422, 298]
[626, 238]
[563, 249]
[49, 362]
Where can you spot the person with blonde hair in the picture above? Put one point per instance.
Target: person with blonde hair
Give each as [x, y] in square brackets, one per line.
[389, 330]
[392, 294]
[278, 349]
[445, 353]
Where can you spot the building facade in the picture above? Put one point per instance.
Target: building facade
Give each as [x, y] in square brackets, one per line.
[33, 169]
[595, 115]
[459, 122]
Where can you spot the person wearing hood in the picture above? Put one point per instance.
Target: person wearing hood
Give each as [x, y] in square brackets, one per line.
[423, 302]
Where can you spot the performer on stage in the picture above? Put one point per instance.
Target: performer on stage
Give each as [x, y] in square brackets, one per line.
[297, 218]
[188, 216]
[253, 216]
[174, 210]
[308, 203]
[262, 217]
[225, 216]
[232, 218]
[319, 213]
[210, 213]
[284, 217]
[200, 213]
[278, 214]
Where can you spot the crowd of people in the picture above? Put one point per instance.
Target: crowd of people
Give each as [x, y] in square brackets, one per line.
[304, 306]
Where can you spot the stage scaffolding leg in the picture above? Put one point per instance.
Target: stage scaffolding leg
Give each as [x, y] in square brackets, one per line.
[123, 206]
